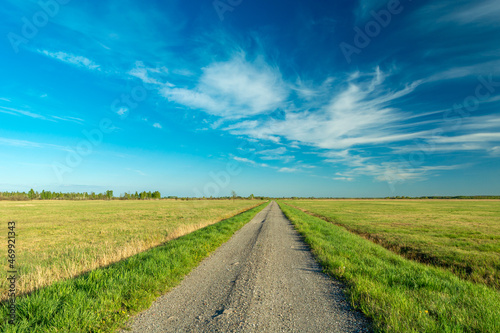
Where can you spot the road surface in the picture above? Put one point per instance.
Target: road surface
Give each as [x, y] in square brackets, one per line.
[264, 279]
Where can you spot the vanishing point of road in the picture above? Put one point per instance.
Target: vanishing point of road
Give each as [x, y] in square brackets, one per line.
[264, 279]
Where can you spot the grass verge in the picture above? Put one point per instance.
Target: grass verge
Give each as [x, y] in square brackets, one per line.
[103, 300]
[398, 294]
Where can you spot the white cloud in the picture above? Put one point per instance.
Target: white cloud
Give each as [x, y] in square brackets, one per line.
[243, 159]
[13, 111]
[249, 161]
[157, 125]
[30, 144]
[358, 114]
[474, 137]
[234, 89]
[348, 179]
[70, 119]
[275, 154]
[78, 61]
[148, 75]
[395, 172]
[288, 170]
[487, 68]
[495, 151]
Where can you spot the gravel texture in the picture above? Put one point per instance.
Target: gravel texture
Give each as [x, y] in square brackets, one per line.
[264, 279]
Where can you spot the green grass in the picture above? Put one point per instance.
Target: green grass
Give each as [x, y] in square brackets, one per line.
[398, 294]
[102, 300]
[61, 239]
[462, 236]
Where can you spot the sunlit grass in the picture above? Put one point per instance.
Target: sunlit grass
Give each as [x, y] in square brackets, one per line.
[103, 300]
[398, 294]
[462, 236]
[61, 239]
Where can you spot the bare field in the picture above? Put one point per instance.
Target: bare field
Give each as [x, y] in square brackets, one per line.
[61, 239]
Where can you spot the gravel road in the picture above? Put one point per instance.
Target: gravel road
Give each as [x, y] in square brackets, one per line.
[264, 279]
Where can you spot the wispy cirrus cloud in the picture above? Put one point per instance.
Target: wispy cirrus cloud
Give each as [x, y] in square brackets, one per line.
[69, 119]
[30, 144]
[275, 154]
[22, 112]
[249, 161]
[481, 11]
[75, 60]
[153, 76]
[357, 114]
[17, 112]
[348, 179]
[285, 169]
[391, 171]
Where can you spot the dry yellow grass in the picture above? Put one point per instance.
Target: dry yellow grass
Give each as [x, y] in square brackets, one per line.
[62, 239]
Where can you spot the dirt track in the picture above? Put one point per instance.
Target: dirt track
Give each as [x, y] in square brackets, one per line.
[264, 279]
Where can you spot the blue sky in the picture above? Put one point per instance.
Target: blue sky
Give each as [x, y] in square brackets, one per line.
[324, 98]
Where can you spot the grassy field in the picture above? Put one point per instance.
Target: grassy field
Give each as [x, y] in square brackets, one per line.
[61, 239]
[398, 294]
[462, 236]
[103, 300]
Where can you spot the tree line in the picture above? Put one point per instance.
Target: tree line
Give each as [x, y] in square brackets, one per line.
[49, 195]
[401, 197]
[108, 195]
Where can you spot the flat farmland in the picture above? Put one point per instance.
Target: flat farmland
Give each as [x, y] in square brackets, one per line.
[462, 236]
[61, 239]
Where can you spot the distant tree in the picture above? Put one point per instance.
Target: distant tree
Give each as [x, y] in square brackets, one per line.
[109, 194]
[234, 195]
[31, 194]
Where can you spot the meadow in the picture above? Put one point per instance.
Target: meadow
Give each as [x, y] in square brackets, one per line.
[103, 299]
[398, 294]
[56, 240]
[462, 236]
